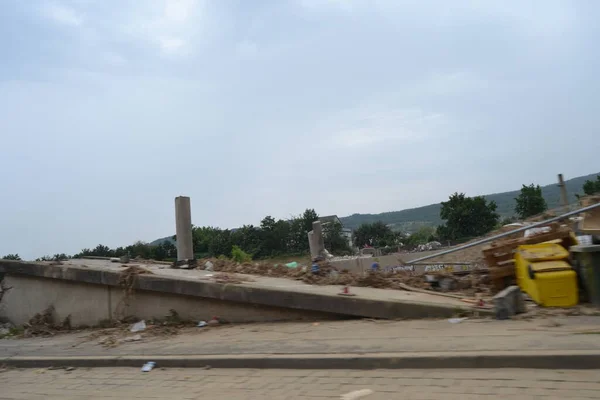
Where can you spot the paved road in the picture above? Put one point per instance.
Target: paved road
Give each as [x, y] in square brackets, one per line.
[334, 337]
[231, 384]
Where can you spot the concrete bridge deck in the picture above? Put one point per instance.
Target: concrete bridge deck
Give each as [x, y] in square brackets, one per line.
[90, 291]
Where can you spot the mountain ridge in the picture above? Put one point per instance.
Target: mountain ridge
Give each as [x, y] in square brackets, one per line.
[412, 218]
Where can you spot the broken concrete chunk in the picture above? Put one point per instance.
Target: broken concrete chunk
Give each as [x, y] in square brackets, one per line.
[509, 302]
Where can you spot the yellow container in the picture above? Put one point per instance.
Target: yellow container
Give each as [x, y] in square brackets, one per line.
[545, 275]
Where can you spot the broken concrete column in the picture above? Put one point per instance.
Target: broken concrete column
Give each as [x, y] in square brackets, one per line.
[183, 228]
[316, 241]
[312, 246]
[318, 235]
[509, 302]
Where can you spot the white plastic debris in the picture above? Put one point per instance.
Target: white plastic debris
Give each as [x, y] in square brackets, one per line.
[138, 326]
[457, 320]
[148, 366]
[201, 324]
[537, 231]
[209, 266]
[357, 394]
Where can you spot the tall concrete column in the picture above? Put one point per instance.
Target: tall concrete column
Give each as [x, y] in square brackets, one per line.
[316, 241]
[183, 228]
[314, 248]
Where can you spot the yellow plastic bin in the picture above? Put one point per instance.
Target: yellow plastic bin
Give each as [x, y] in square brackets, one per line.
[543, 272]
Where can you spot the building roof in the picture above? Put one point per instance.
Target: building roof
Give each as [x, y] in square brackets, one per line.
[329, 218]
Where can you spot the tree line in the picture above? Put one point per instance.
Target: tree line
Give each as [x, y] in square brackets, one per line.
[464, 218]
[272, 238]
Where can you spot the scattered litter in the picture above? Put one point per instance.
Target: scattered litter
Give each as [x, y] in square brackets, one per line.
[201, 324]
[316, 324]
[69, 369]
[148, 366]
[292, 264]
[357, 394]
[135, 338]
[109, 341]
[6, 328]
[315, 269]
[457, 320]
[346, 292]
[209, 266]
[214, 321]
[207, 367]
[429, 246]
[138, 326]
[375, 266]
[537, 231]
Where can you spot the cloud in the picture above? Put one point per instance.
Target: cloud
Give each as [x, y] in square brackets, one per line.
[247, 49]
[315, 5]
[171, 45]
[452, 83]
[173, 26]
[179, 10]
[369, 125]
[62, 14]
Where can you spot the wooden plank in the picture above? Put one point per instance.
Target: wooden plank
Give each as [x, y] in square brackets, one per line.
[501, 272]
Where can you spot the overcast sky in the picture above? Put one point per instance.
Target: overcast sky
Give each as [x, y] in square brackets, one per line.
[111, 108]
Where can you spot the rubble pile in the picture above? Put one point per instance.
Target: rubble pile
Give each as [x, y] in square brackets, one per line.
[326, 274]
[43, 324]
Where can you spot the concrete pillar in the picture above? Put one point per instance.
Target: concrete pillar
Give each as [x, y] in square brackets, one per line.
[183, 228]
[314, 248]
[318, 242]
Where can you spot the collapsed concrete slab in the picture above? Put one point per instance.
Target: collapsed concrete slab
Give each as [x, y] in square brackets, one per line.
[92, 290]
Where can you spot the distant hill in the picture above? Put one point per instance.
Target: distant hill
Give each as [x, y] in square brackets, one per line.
[165, 239]
[411, 219]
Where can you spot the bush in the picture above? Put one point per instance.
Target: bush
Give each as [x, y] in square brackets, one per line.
[239, 255]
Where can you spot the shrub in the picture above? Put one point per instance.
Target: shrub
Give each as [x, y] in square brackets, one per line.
[239, 255]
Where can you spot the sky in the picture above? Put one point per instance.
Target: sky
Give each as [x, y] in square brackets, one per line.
[109, 109]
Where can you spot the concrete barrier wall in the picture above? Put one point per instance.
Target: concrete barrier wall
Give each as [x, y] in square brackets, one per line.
[395, 263]
[89, 304]
[363, 264]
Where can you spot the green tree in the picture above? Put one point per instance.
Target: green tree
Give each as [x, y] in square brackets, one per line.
[12, 257]
[299, 228]
[376, 234]
[274, 237]
[591, 187]
[467, 217]
[508, 220]
[530, 201]
[163, 251]
[248, 239]
[334, 239]
[424, 234]
[239, 255]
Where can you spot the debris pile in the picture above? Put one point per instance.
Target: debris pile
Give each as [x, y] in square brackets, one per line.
[43, 324]
[128, 277]
[322, 272]
[429, 246]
